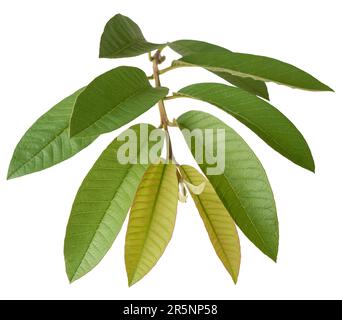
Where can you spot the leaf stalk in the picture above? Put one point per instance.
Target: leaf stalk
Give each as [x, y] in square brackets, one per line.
[157, 58]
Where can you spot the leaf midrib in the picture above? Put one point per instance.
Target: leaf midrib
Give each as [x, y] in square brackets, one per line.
[100, 223]
[245, 75]
[239, 116]
[136, 93]
[245, 211]
[40, 151]
[149, 222]
[130, 44]
[212, 228]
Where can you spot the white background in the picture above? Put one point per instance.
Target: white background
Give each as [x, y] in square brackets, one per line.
[49, 49]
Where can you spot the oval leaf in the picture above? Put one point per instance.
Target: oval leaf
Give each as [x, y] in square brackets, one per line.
[113, 100]
[190, 47]
[258, 115]
[102, 203]
[123, 38]
[219, 224]
[243, 186]
[151, 220]
[255, 67]
[47, 142]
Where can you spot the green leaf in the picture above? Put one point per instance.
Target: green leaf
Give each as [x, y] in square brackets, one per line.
[151, 221]
[258, 115]
[113, 100]
[123, 38]
[47, 142]
[255, 67]
[101, 205]
[219, 224]
[243, 186]
[190, 47]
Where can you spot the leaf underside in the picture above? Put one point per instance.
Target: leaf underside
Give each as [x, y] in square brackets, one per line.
[255, 67]
[101, 206]
[258, 115]
[243, 186]
[123, 38]
[190, 47]
[151, 221]
[220, 226]
[47, 142]
[112, 100]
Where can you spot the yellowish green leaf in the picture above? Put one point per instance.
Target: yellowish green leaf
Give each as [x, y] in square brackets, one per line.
[219, 224]
[151, 221]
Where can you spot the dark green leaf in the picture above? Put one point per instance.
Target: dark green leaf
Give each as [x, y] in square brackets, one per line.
[113, 100]
[123, 38]
[243, 186]
[47, 142]
[101, 206]
[255, 67]
[190, 47]
[265, 120]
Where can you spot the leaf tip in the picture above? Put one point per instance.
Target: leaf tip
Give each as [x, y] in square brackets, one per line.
[274, 256]
[132, 281]
[235, 277]
[327, 88]
[311, 167]
[323, 87]
[9, 176]
[12, 174]
[72, 277]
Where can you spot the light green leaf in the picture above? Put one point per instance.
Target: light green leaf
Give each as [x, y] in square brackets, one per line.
[243, 186]
[261, 117]
[113, 100]
[102, 203]
[255, 67]
[219, 224]
[190, 47]
[123, 38]
[151, 220]
[47, 142]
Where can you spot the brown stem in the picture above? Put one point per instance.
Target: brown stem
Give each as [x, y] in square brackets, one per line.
[157, 59]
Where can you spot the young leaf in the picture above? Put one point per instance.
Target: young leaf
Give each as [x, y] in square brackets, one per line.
[261, 117]
[196, 189]
[243, 186]
[220, 226]
[101, 206]
[151, 220]
[255, 67]
[113, 100]
[47, 142]
[190, 47]
[123, 38]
